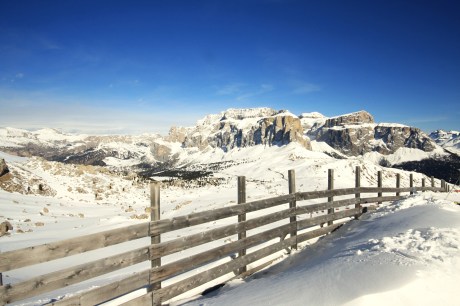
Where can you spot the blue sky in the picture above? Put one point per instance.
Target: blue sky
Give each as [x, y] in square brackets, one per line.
[142, 66]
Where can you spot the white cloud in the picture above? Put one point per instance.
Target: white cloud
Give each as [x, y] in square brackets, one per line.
[230, 89]
[263, 89]
[305, 88]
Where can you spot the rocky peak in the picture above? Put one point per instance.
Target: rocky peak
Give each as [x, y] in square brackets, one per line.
[356, 118]
[355, 134]
[243, 127]
[244, 113]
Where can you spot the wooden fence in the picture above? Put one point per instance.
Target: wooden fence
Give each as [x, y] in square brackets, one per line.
[303, 221]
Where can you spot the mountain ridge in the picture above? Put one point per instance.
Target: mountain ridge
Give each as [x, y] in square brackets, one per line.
[345, 136]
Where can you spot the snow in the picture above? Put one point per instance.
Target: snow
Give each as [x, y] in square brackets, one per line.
[402, 155]
[348, 115]
[353, 126]
[406, 253]
[88, 199]
[70, 213]
[312, 115]
[392, 125]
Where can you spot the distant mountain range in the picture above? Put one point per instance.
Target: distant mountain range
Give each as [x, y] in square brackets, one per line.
[354, 135]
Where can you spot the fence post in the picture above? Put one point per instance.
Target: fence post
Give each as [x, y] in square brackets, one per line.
[242, 217]
[398, 183]
[292, 205]
[443, 185]
[432, 181]
[379, 185]
[155, 216]
[411, 183]
[330, 186]
[358, 194]
[1, 279]
[423, 184]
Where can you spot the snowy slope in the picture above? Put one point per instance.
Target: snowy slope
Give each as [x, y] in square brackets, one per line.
[406, 253]
[87, 199]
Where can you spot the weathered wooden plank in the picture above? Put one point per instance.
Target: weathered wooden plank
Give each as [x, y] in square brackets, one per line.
[381, 199]
[155, 216]
[411, 183]
[323, 206]
[292, 205]
[257, 269]
[427, 188]
[183, 243]
[302, 224]
[42, 253]
[358, 185]
[189, 263]
[242, 217]
[73, 275]
[107, 292]
[213, 273]
[330, 186]
[311, 195]
[319, 232]
[383, 189]
[146, 299]
[167, 225]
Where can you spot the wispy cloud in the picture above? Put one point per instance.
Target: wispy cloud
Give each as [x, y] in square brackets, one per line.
[230, 89]
[305, 88]
[263, 89]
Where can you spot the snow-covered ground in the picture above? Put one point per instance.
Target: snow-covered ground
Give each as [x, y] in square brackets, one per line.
[85, 199]
[406, 253]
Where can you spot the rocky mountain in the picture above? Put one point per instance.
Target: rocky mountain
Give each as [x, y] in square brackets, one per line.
[448, 140]
[357, 133]
[345, 136]
[236, 128]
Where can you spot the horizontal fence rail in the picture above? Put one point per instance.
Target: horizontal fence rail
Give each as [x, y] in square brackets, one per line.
[302, 222]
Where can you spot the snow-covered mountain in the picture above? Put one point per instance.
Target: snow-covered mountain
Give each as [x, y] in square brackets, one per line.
[448, 140]
[346, 136]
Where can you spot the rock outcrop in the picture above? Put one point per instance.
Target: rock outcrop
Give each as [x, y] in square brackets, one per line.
[356, 134]
[5, 227]
[3, 167]
[448, 140]
[357, 118]
[243, 128]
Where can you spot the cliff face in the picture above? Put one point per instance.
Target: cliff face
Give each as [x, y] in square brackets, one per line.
[243, 128]
[356, 134]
